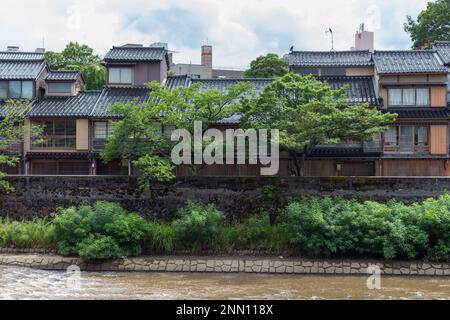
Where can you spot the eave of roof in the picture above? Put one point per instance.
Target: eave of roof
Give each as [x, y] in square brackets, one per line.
[135, 54]
[111, 95]
[21, 70]
[60, 155]
[342, 152]
[21, 56]
[63, 76]
[443, 50]
[80, 105]
[420, 113]
[361, 89]
[408, 62]
[330, 59]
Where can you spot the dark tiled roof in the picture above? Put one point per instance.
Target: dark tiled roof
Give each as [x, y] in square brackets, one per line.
[341, 152]
[63, 76]
[111, 96]
[80, 105]
[219, 84]
[330, 58]
[361, 89]
[178, 81]
[125, 54]
[443, 49]
[21, 56]
[4, 109]
[420, 113]
[21, 70]
[222, 84]
[411, 61]
[59, 155]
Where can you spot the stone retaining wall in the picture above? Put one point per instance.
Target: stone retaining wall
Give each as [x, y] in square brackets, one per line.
[236, 196]
[229, 265]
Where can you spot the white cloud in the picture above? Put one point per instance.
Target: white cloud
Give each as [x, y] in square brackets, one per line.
[239, 29]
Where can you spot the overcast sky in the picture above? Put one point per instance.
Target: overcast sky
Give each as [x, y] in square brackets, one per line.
[239, 30]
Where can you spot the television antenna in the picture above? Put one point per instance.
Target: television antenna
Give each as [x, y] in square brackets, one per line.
[329, 31]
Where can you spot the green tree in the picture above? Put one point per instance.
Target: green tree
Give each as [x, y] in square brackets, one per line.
[80, 58]
[268, 66]
[308, 112]
[432, 24]
[12, 133]
[137, 136]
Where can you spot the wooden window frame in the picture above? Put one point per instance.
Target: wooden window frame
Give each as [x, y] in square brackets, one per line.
[418, 149]
[53, 137]
[8, 94]
[120, 68]
[415, 97]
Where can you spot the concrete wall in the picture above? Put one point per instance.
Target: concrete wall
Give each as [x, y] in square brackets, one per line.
[237, 197]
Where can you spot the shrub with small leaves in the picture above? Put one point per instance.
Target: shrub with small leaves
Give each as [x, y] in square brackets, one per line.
[197, 226]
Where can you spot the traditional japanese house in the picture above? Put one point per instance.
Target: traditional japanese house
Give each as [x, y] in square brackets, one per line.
[413, 84]
[22, 76]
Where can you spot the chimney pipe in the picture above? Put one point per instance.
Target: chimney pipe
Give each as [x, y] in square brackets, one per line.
[364, 40]
[207, 61]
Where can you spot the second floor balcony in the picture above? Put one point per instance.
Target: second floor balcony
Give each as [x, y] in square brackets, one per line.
[55, 142]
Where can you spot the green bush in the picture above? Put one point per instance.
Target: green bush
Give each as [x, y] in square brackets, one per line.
[335, 226]
[254, 234]
[317, 226]
[197, 226]
[434, 219]
[98, 247]
[99, 229]
[38, 233]
[160, 237]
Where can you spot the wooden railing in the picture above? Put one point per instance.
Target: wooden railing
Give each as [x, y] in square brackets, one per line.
[397, 149]
[55, 142]
[372, 146]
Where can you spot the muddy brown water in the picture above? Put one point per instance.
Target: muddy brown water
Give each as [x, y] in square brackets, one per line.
[22, 283]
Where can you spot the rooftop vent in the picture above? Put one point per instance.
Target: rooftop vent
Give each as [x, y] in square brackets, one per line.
[159, 45]
[132, 45]
[12, 49]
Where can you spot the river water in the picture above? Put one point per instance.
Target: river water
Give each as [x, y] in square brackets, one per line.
[22, 283]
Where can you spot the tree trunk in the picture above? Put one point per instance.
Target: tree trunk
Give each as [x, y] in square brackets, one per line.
[300, 162]
[296, 162]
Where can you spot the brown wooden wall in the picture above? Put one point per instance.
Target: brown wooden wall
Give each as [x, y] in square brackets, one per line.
[312, 168]
[415, 167]
[438, 97]
[439, 139]
[326, 168]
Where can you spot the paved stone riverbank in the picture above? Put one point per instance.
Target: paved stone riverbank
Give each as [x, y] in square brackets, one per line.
[228, 265]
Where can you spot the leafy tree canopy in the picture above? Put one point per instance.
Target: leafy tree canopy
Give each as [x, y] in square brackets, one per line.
[308, 112]
[138, 135]
[80, 58]
[432, 24]
[12, 133]
[268, 66]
